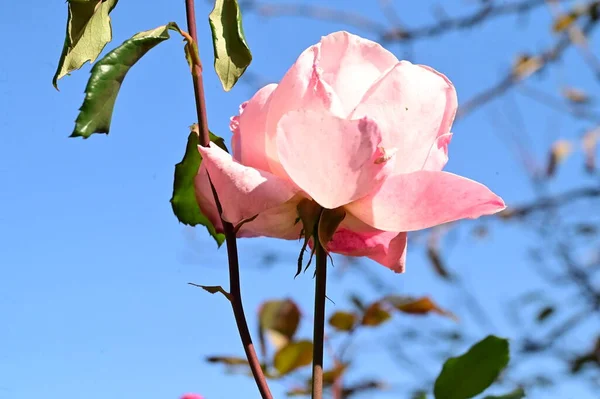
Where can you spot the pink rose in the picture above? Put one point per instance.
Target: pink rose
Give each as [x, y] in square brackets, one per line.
[348, 126]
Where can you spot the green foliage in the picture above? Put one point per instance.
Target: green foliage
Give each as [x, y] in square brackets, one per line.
[279, 319]
[107, 76]
[342, 321]
[416, 306]
[375, 315]
[184, 203]
[518, 393]
[232, 55]
[467, 375]
[88, 31]
[293, 356]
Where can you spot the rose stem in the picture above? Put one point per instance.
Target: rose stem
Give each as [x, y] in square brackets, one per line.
[319, 322]
[232, 254]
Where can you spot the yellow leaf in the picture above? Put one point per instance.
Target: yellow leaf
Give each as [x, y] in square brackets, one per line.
[417, 306]
[278, 321]
[526, 65]
[576, 96]
[292, 356]
[590, 144]
[559, 152]
[342, 321]
[375, 315]
[563, 22]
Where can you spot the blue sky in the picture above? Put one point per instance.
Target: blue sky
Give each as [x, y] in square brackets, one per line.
[94, 267]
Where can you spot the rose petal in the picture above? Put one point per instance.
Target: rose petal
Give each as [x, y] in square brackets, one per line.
[302, 87]
[424, 199]
[205, 198]
[277, 222]
[351, 65]
[243, 191]
[384, 247]
[250, 130]
[413, 105]
[438, 155]
[333, 160]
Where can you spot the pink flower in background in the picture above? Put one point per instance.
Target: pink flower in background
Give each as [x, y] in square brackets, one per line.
[191, 396]
[348, 126]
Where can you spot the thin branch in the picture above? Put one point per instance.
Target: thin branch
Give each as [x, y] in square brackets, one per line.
[530, 346]
[578, 37]
[197, 77]
[390, 12]
[581, 277]
[230, 236]
[543, 60]
[320, 13]
[558, 105]
[486, 12]
[546, 203]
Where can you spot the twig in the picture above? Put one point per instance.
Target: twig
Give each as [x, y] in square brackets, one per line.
[396, 33]
[544, 59]
[230, 237]
[545, 203]
[557, 104]
[488, 11]
[197, 77]
[578, 37]
[319, 12]
[581, 277]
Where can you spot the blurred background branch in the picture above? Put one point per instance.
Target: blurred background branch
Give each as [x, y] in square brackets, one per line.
[551, 310]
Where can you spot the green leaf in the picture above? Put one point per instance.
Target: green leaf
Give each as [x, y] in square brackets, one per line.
[184, 203]
[342, 321]
[416, 306]
[232, 55]
[293, 356]
[467, 375]
[279, 319]
[213, 289]
[88, 31]
[419, 395]
[518, 393]
[375, 315]
[107, 76]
